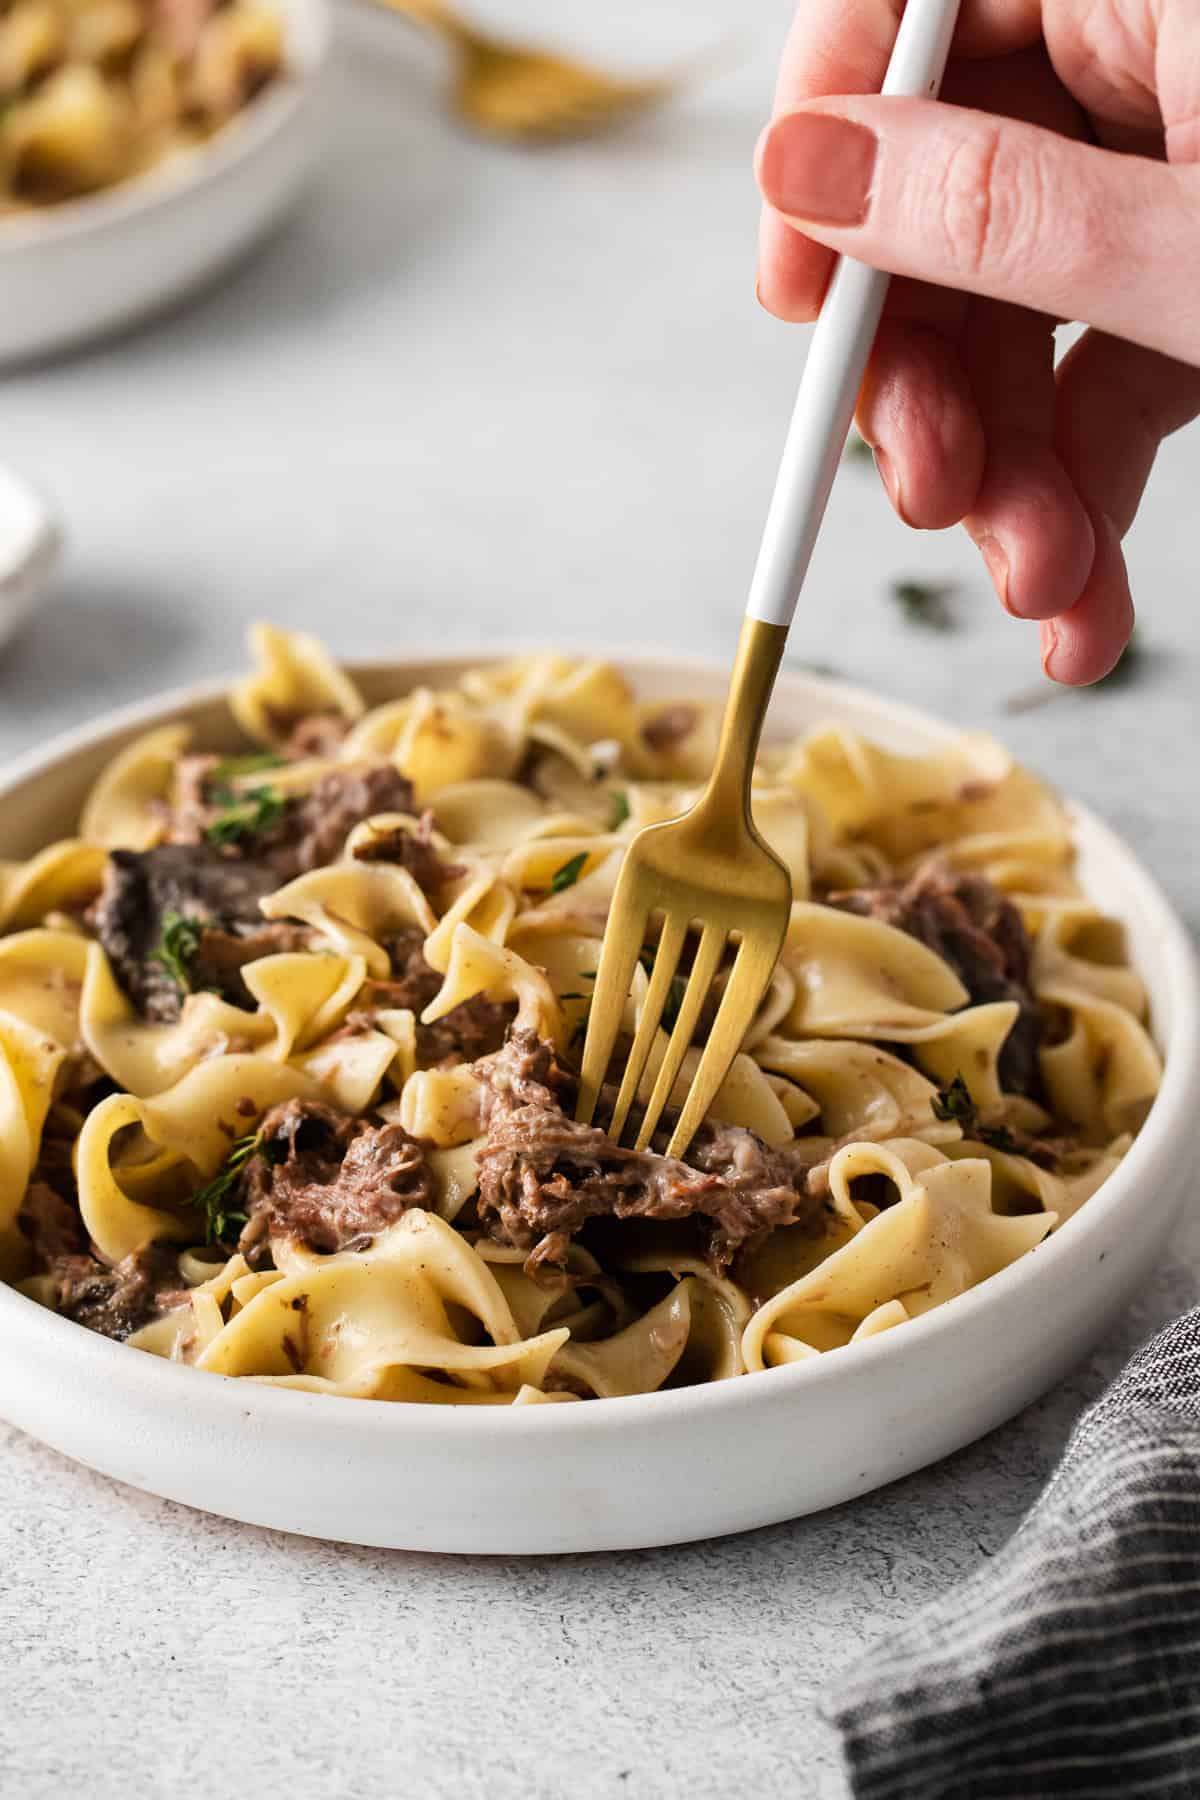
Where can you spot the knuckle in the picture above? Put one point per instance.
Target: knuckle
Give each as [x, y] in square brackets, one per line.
[1002, 209]
[976, 202]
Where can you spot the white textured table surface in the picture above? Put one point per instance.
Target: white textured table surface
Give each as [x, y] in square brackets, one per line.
[473, 395]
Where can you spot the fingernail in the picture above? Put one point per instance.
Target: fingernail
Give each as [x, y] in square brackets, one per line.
[891, 481]
[1049, 649]
[816, 166]
[993, 554]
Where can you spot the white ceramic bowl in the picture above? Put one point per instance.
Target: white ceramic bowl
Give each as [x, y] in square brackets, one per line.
[30, 543]
[75, 272]
[656, 1468]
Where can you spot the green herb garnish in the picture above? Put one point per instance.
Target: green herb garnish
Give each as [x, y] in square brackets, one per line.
[210, 1199]
[955, 1102]
[569, 873]
[244, 815]
[924, 602]
[857, 449]
[178, 944]
[620, 810]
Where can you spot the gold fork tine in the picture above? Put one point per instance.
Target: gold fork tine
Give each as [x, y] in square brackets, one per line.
[708, 957]
[618, 959]
[666, 961]
[747, 982]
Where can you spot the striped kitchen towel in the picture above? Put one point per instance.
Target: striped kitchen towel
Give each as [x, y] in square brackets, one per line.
[1070, 1664]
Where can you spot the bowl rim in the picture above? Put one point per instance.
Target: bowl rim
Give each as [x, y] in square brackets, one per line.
[1170, 1118]
[308, 31]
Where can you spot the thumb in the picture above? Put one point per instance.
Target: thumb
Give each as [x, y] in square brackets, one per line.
[996, 207]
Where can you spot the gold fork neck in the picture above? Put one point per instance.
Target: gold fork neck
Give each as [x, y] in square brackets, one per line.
[759, 654]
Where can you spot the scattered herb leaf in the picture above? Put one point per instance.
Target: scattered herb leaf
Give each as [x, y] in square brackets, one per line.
[857, 449]
[620, 810]
[572, 996]
[211, 1198]
[675, 993]
[178, 944]
[925, 602]
[244, 815]
[955, 1102]
[569, 873]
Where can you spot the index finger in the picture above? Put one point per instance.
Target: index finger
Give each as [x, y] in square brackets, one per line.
[843, 47]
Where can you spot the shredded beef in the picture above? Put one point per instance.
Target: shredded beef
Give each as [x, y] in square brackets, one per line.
[315, 826]
[318, 734]
[197, 882]
[972, 926]
[222, 955]
[413, 851]
[113, 1301]
[669, 727]
[468, 1031]
[542, 1175]
[328, 1179]
[51, 1224]
[311, 828]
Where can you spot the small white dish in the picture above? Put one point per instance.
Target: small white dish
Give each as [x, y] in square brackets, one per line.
[30, 543]
[75, 272]
[651, 1469]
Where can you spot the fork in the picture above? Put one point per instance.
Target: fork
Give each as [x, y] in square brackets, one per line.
[710, 867]
[518, 92]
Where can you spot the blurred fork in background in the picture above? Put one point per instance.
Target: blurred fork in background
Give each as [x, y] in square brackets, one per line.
[529, 95]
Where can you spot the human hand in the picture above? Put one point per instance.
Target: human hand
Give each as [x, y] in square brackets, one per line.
[1057, 179]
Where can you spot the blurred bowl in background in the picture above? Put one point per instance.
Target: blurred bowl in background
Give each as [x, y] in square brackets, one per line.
[74, 272]
[30, 542]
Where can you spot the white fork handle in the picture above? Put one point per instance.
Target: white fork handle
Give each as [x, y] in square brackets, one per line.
[837, 358]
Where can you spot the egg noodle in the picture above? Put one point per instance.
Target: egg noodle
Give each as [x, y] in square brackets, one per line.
[287, 1042]
[95, 92]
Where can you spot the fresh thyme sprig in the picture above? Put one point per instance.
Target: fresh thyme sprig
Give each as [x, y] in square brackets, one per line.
[211, 1198]
[177, 946]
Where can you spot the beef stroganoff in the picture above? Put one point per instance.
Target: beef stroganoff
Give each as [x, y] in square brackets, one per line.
[289, 1037]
